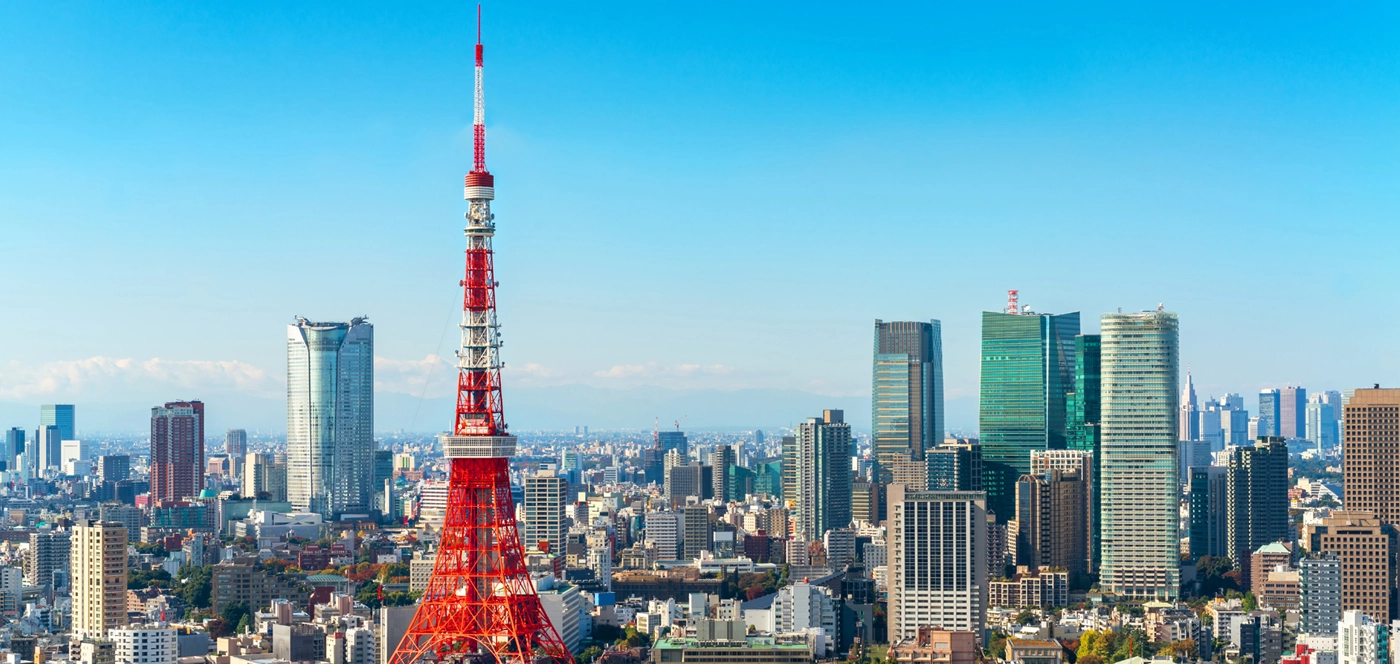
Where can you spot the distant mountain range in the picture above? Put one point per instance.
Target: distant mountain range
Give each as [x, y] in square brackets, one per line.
[550, 408]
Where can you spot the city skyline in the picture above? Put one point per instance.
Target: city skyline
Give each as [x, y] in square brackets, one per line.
[1249, 155]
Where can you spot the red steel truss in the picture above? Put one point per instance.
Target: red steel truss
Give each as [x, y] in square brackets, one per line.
[480, 604]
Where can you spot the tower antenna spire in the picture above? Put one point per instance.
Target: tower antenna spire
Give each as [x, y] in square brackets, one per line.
[479, 108]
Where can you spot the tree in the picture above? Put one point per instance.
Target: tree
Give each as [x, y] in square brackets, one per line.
[242, 626]
[1185, 649]
[218, 628]
[197, 587]
[234, 612]
[152, 578]
[589, 655]
[1250, 603]
[1025, 617]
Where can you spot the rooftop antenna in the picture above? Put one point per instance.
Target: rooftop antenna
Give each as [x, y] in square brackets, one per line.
[1011, 302]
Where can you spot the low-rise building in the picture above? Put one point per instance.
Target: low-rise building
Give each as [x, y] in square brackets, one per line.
[153, 643]
[1033, 651]
[754, 650]
[1041, 589]
[936, 646]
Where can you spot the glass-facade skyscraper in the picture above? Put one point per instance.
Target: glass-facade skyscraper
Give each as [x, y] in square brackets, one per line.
[1082, 427]
[1139, 507]
[330, 417]
[823, 475]
[907, 391]
[61, 416]
[1027, 368]
[1268, 413]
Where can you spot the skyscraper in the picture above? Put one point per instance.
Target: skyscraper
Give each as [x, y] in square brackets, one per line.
[823, 475]
[1139, 475]
[907, 392]
[47, 450]
[1369, 476]
[1084, 405]
[1079, 464]
[1256, 488]
[1292, 412]
[937, 558]
[1187, 424]
[177, 450]
[722, 461]
[1207, 500]
[61, 416]
[330, 416]
[1269, 408]
[1027, 368]
[1323, 410]
[1052, 521]
[14, 446]
[698, 532]
[99, 571]
[545, 496]
[236, 442]
[1320, 593]
[1366, 549]
[673, 440]
[954, 467]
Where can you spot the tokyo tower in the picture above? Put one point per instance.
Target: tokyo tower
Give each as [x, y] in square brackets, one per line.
[480, 605]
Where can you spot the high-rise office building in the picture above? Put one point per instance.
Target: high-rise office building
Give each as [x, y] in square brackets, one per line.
[1320, 581]
[954, 467]
[1269, 413]
[1139, 469]
[1079, 463]
[1292, 412]
[114, 467]
[1366, 548]
[907, 392]
[722, 461]
[823, 475]
[99, 573]
[1052, 521]
[1082, 425]
[937, 559]
[1372, 447]
[688, 480]
[1224, 423]
[1188, 425]
[330, 416]
[61, 416]
[673, 440]
[14, 446]
[47, 450]
[1256, 486]
[1027, 369]
[236, 442]
[177, 450]
[664, 530]
[1207, 507]
[545, 496]
[1323, 410]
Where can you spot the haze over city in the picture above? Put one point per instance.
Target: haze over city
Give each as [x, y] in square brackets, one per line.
[701, 201]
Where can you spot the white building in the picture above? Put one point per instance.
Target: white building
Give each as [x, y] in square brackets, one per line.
[937, 560]
[432, 504]
[11, 585]
[545, 496]
[663, 529]
[565, 607]
[1139, 518]
[264, 524]
[802, 606]
[359, 645]
[145, 644]
[600, 561]
[1361, 640]
[330, 417]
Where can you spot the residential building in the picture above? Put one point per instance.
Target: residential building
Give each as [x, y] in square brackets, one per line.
[1080, 463]
[698, 531]
[1029, 587]
[823, 488]
[564, 605]
[545, 495]
[954, 467]
[49, 552]
[1206, 496]
[664, 530]
[1372, 441]
[1256, 486]
[1279, 589]
[1262, 561]
[802, 606]
[1052, 514]
[99, 577]
[11, 588]
[937, 563]
[234, 582]
[236, 442]
[788, 445]
[177, 451]
[146, 644]
[907, 390]
[330, 417]
[1027, 368]
[1138, 441]
[723, 461]
[931, 645]
[1365, 546]
[1362, 639]
[1321, 593]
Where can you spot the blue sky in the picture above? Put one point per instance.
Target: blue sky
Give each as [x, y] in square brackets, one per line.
[710, 197]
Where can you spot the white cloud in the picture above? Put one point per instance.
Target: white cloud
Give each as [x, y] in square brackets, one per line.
[104, 376]
[433, 373]
[657, 370]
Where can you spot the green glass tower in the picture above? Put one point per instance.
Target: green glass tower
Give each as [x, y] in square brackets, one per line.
[1082, 425]
[1027, 368]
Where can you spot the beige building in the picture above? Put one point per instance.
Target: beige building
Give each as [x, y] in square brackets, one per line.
[1371, 475]
[1365, 545]
[1052, 521]
[936, 646]
[937, 561]
[99, 578]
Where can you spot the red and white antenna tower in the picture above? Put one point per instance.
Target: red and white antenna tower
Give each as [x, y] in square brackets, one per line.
[480, 603]
[1011, 302]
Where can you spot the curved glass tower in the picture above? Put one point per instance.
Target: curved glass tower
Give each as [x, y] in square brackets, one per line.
[330, 417]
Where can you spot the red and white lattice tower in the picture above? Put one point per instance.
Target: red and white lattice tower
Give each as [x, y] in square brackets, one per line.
[480, 604]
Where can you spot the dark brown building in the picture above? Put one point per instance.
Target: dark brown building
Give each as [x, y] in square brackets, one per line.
[177, 451]
[1371, 472]
[1366, 547]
